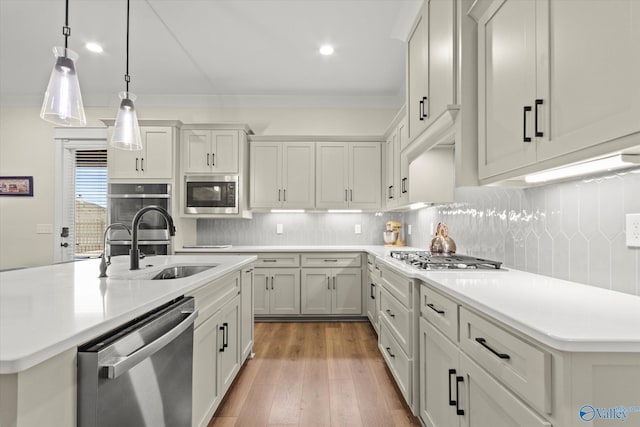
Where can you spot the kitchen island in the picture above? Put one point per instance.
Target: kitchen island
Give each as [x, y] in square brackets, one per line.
[46, 312]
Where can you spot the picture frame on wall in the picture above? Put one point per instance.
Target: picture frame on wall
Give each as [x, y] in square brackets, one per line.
[16, 186]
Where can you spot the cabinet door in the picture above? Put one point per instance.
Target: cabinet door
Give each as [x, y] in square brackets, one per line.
[332, 175]
[224, 151]
[486, 402]
[390, 190]
[228, 344]
[157, 161]
[298, 175]
[316, 291]
[261, 291]
[265, 177]
[438, 371]
[347, 291]
[402, 165]
[197, 158]
[593, 67]
[246, 311]
[123, 163]
[284, 291]
[507, 86]
[442, 50]
[205, 384]
[417, 70]
[365, 177]
[372, 313]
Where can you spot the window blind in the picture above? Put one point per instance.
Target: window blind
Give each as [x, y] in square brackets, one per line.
[90, 201]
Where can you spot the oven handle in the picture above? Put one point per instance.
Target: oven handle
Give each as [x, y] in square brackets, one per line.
[138, 196]
[120, 365]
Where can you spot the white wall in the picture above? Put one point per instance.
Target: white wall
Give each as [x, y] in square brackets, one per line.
[26, 148]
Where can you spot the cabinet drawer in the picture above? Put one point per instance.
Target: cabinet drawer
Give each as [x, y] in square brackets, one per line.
[398, 362]
[399, 320]
[397, 285]
[440, 311]
[521, 366]
[372, 268]
[331, 260]
[278, 260]
[210, 297]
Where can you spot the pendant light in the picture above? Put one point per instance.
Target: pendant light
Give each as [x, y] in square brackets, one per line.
[126, 132]
[62, 103]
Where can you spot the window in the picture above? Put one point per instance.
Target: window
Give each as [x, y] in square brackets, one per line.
[90, 202]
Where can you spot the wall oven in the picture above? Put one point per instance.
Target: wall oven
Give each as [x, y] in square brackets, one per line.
[211, 194]
[127, 199]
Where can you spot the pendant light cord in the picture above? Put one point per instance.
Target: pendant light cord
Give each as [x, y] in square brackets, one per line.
[127, 78]
[66, 30]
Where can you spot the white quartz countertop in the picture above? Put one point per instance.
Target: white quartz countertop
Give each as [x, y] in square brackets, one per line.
[564, 315]
[47, 310]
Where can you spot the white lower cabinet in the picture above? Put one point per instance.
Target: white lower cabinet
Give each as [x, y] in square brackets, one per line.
[276, 291]
[217, 348]
[246, 328]
[398, 331]
[490, 378]
[455, 391]
[205, 363]
[373, 292]
[331, 291]
[485, 402]
[439, 368]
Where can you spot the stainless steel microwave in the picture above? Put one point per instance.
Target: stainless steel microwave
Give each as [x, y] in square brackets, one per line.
[211, 194]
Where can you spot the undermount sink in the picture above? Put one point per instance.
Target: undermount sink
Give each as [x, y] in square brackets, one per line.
[180, 271]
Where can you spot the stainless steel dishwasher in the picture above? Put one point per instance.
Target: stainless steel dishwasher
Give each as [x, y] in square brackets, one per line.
[140, 373]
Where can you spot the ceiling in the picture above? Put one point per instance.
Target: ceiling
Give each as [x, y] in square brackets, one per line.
[210, 53]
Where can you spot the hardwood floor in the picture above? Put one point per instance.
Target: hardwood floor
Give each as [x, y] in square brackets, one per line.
[314, 374]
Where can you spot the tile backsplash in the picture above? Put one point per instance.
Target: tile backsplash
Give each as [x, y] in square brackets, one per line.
[298, 229]
[573, 230]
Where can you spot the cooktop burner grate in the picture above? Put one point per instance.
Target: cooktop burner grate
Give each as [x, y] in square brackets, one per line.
[425, 260]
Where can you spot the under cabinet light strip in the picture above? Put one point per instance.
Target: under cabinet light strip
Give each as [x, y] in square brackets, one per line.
[619, 161]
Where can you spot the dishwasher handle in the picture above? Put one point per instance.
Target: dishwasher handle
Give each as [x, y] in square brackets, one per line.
[120, 365]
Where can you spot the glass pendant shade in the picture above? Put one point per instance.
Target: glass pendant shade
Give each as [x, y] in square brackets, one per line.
[126, 132]
[62, 103]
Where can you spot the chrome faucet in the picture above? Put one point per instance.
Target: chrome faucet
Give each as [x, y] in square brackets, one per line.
[134, 253]
[106, 259]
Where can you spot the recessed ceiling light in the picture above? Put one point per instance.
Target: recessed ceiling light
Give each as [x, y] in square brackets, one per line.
[326, 50]
[94, 47]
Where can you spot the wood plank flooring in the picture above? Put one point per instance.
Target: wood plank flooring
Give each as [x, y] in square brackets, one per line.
[314, 374]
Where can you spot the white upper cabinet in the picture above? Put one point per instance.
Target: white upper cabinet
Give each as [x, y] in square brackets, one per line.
[418, 76]
[593, 71]
[507, 67]
[396, 188]
[154, 161]
[282, 175]
[431, 66]
[348, 175]
[210, 151]
[552, 86]
[391, 170]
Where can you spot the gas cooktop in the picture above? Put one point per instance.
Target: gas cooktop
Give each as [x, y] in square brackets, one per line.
[425, 260]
